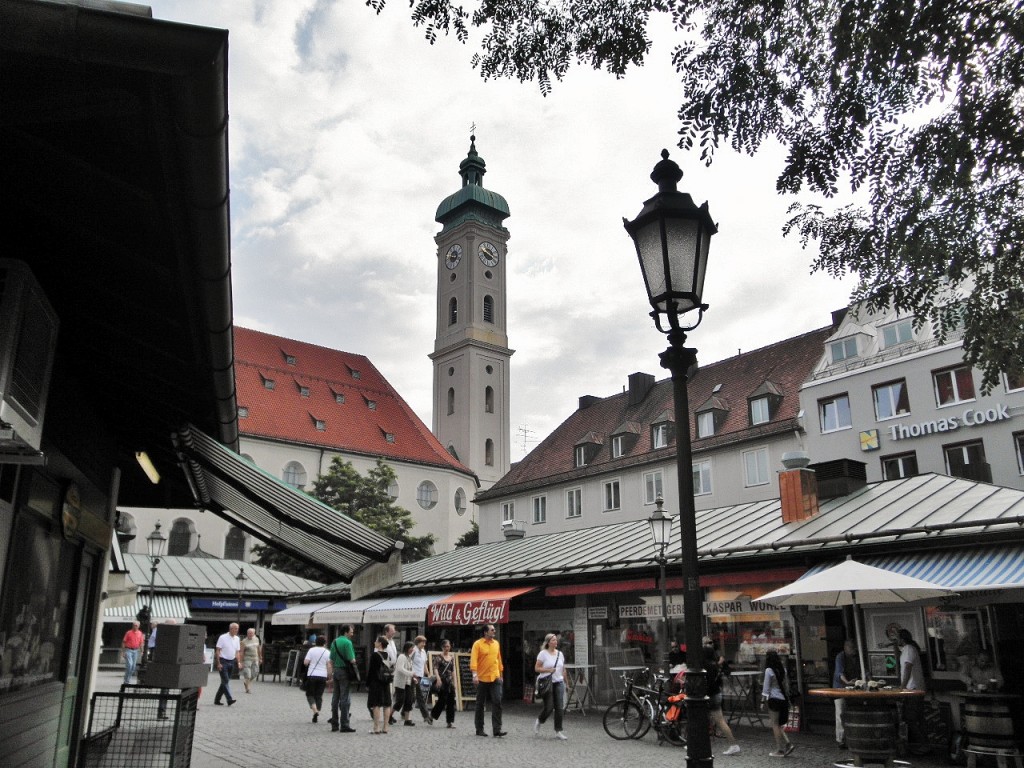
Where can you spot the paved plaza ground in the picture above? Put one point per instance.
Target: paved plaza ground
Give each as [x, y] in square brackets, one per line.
[271, 727]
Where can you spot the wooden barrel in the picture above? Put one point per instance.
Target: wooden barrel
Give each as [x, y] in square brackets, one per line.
[988, 725]
[870, 730]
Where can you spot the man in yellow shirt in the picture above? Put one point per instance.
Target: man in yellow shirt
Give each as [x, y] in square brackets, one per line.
[488, 671]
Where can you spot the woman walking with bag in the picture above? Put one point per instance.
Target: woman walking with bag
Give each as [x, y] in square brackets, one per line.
[378, 686]
[773, 695]
[316, 675]
[420, 679]
[444, 680]
[550, 667]
[405, 694]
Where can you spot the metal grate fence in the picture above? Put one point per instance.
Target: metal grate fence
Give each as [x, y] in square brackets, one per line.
[141, 726]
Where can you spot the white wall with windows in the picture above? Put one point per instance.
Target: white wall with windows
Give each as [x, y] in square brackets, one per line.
[906, 404]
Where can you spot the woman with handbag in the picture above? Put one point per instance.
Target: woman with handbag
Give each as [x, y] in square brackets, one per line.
[405, 693]
[550, 688]
[444, 685]
[378, 686]
[315, 664]
[422, 682]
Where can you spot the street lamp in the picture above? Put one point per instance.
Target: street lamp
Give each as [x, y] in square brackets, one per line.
[672, 235]
[661, 527]
[241, 579]
[155, 549]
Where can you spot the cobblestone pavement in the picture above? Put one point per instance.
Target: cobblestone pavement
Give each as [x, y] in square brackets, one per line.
[272, 728]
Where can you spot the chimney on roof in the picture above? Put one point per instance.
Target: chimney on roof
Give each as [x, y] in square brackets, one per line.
[798, 488]
[514, 529]
[588, 400]
[639, 385]
[838, 316]
[840, 477]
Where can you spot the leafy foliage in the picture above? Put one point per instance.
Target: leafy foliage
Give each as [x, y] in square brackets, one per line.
[271, 557]
[366, 500]
[915, 104]
[470, 538]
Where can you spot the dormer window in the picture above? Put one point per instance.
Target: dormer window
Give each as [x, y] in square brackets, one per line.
[243, 412]
[586, 449]
[268, 383]
[354, 373]
[897, 333]
[764, 403]
[388, 436]
[319, 424]
[338, 396]
[660, 435]
[371, 404]
[624, 438]
[711, 416]
[303, 389]
[289, 359]
[843, 349]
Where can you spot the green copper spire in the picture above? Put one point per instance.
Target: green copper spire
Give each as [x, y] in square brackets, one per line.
[472, 201]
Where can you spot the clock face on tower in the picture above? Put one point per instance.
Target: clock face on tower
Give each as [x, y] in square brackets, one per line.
[453, 257]
[488, 254]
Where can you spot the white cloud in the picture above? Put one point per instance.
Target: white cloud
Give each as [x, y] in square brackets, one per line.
[347, 130]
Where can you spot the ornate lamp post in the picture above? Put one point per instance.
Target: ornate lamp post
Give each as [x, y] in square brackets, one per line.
[672, 235]
[661, 527]
[240, 579]
[155, 550]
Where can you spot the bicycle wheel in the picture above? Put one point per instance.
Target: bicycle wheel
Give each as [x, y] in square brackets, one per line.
[674, 732]
[622, 720]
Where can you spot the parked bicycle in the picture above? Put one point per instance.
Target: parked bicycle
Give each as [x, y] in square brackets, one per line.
[643, 708]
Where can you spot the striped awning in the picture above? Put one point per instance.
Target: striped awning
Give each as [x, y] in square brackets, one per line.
[164, 607]
[408, 609]
[298, 615]
[965, 570]
[346, 611]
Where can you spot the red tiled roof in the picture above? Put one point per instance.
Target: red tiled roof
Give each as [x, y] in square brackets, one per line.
[371, 410]
[786, 364]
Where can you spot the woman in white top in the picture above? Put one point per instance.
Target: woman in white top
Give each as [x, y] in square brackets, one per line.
[419, 673]
[551, 663]
[405, 695]
[316, 675]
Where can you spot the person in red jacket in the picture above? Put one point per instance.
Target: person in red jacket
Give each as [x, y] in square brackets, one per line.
[131, 647]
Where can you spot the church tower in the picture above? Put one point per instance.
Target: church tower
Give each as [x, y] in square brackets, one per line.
[471, 354]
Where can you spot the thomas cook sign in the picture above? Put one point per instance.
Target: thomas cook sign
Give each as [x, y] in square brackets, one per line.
[971, 417]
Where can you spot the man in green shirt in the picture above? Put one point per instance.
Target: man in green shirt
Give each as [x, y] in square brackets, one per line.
[342, 667]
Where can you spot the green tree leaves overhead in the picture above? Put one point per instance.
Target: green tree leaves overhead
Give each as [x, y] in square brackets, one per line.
[366, 500]
[916, 105]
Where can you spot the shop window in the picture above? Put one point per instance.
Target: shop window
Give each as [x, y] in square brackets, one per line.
[953, 385]
[891, 399]
[955, 637]
[653, 486]
[755, 467]
[612, 498]
[834, 413]
[898, 467]
[702, 478]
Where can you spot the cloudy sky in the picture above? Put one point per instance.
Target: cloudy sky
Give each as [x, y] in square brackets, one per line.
[347, 130]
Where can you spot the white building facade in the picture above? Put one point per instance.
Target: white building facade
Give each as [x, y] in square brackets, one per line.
[897, 399]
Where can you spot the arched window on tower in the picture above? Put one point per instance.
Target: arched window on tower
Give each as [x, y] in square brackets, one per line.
[488, 400]
[180, 540]
[489, 452]
[451, 400]
[453, 311]
[234, 544]
[488, 309]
